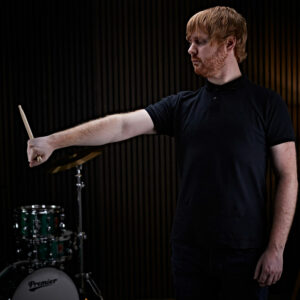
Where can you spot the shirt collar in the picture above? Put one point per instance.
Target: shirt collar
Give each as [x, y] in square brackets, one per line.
[228, 86]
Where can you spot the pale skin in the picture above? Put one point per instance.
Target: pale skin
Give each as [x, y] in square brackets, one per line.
[118, 127]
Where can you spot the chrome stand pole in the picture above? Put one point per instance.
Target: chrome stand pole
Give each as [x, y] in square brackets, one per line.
[84, 277]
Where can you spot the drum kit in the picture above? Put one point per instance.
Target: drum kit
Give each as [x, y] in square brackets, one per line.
[44, 245]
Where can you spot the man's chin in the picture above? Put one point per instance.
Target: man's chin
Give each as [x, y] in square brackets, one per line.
[200, 72]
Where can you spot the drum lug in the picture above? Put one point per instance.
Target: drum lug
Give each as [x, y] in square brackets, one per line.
[62, 225]
[41, 236]
[82, 235]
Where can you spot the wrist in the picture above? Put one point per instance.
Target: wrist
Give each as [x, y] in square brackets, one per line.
[276, 248]
[54, 141]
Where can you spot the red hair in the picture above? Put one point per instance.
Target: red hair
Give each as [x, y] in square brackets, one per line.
[219, 23]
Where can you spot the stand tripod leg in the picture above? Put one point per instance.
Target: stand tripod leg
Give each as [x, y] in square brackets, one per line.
[93, 286]
[86, 279]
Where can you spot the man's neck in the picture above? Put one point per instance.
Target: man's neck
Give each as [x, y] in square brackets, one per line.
[230, 72]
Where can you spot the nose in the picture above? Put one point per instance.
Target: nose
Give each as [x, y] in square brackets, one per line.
[192, 49]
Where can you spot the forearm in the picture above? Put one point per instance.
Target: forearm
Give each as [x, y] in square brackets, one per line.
[284, 209]
[110, 129]
[96, 132]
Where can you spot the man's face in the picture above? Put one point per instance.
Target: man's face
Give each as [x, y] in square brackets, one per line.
[208, 59]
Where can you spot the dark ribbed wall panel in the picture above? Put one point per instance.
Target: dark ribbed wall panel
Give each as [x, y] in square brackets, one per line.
[67, 62]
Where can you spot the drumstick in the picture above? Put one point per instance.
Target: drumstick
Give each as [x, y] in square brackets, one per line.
[26, 124]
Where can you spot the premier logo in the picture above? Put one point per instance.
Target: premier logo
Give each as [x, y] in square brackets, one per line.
[34, 285]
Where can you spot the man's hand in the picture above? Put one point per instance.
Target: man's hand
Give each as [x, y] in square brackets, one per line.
[269, 267]
[38, 147]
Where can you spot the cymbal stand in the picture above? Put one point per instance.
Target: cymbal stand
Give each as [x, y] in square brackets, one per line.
[84, 277]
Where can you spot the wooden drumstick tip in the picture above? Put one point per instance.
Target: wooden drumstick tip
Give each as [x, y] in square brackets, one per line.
[26, 124]
[27, 127]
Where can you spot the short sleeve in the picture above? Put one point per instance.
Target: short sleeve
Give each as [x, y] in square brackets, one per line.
[162, 114]
[279, 128]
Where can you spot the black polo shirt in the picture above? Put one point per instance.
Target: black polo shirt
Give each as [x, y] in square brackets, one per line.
[223, 134]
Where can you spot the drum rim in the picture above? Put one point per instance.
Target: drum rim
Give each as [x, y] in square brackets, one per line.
[31, 207]
[66, 234]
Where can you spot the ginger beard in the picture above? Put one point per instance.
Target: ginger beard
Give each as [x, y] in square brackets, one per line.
[210, 66]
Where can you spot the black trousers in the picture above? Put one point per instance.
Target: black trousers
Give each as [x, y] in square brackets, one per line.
[215, 274]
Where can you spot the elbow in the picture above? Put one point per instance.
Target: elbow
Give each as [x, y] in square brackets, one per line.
[288, 179]
[287, 175]
[119, 128]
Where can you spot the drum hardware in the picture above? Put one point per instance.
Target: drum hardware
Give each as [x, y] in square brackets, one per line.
[44, 245]
[41, 236]
[82, 235]
[84, 277]
[38, 221]
[87, 277]
[13, 266]
[76, 159]
[9, 277]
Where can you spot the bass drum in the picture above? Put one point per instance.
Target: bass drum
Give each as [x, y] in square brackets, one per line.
[46, 284]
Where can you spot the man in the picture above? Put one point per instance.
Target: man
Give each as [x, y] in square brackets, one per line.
[224, 133]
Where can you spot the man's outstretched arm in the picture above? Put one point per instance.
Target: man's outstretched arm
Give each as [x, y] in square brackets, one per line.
[110, 129]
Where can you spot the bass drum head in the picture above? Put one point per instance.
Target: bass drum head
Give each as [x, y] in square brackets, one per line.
[46, 284]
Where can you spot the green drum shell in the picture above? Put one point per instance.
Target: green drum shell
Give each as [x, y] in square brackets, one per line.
[38, 221]
[57, 249]
[47, 251]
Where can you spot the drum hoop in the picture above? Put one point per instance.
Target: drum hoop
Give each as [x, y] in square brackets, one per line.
[40, 208]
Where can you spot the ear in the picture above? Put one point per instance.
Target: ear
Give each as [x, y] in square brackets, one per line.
[230, 42]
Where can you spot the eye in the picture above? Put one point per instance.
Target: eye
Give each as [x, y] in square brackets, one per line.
[200, 42]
